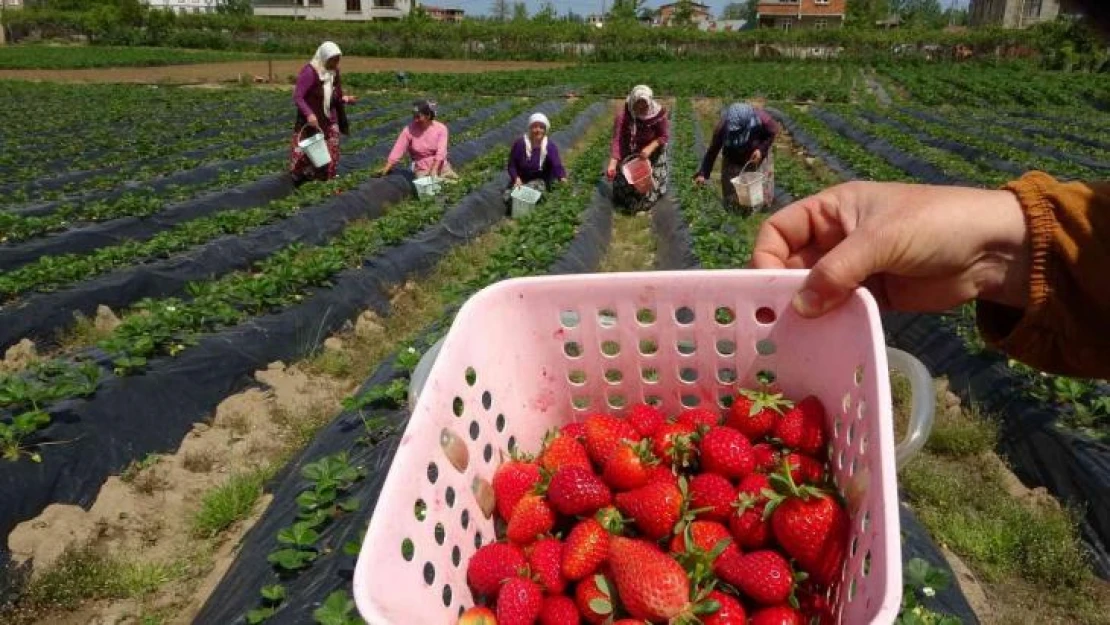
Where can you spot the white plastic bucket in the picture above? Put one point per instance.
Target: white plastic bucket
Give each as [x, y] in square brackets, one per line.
[426, 186]
[316, 147]
[749, 188]
[525, 199]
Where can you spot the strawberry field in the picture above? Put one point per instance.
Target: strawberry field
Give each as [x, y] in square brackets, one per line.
[158, 271]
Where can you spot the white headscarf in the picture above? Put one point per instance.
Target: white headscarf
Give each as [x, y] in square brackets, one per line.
[643, 92]
[539, 118]
[324, 53]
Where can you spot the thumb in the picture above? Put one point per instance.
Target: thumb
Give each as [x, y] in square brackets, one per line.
[834, 278]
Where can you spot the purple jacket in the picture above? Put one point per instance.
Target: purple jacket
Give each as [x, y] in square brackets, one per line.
[308, 95]
[762, 138]
[529, 169]
[625, 145]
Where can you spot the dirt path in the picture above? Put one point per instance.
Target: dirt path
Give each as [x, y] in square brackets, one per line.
[283, 70]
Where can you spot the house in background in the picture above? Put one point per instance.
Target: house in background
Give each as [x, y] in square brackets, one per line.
[1017, 13]
[348, 10]
[666, 13]
[441, 14]
[791, 14]
[722, 26]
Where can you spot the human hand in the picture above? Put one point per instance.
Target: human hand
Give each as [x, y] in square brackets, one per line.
[699, 179]
[915, 247]
[611, 169]
[518, 182]
[315, 123]
[350, 99]
[645, 154]
[384, 171]
[757, 156]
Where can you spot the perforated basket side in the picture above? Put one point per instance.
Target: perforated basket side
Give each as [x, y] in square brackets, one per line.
[529, 354]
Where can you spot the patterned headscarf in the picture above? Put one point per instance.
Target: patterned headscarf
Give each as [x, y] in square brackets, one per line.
[643, 93]
[740, 119]
[425, 107]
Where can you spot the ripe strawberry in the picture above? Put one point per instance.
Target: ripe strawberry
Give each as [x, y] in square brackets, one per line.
[755, 413]
[779, 615]
[713, 495]
[766, 458]
[545, 561]
[813, 602]
[696, 417]
[763, 576]
[604, 433]
[729, 611]
[531, 518]
[654, 508]
[673, 443]
[662, 473]
[805, 470]
[511, 481]
[561, 450]
[812, 528]
[705, 535]
[491, 565]
[594, 598]
[651, 585]
[726, 451]
[519, 602]
[478, 615]
[576, 491]
[630, 621]
[576, 430]
[586, 548]
[630, 466]
[559, 610]
[749, 527]
[802, 428]
[646, 419]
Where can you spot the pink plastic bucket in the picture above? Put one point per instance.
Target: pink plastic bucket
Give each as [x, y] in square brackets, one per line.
[637, 171]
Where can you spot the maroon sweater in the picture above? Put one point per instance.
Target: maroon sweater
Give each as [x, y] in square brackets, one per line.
[308, 95]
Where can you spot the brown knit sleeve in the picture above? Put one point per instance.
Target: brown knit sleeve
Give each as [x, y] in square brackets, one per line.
[1065, 327]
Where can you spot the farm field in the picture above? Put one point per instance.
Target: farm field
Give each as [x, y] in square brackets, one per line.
[206, 368]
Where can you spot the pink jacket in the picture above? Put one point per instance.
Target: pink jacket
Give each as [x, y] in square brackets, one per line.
[426, 147]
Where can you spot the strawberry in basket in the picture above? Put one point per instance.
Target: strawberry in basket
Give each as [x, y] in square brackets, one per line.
[703, 517]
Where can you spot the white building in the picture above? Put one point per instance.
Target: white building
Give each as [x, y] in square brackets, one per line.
[355, 10]
[185, 6]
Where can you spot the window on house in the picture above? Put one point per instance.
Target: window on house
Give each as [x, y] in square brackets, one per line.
[821, 24]
[354, 6]
[786, 24]
[820, 1]
[1033, 8]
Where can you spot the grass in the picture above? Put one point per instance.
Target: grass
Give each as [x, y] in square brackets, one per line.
[229, 503]
[84, 574]
[633, 244]
[1027, 553]
[141, 476]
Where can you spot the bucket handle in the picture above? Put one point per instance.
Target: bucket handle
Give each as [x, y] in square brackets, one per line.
[923, 404]
[300, 133]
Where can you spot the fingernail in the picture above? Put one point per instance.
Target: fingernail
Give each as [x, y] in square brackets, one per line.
[808, 303]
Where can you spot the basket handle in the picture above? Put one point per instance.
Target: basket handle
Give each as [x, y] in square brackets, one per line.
[744, 169]
[420, 373]
[923, 407]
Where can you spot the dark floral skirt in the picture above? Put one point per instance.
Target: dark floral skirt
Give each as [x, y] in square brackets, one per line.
[301, 167]
[626, 196]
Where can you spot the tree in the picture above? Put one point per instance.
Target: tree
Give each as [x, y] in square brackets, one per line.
[736, 10]
[683, 13]
[547, 12]
[235, 7]
[625, 10]
[921, 13]
[520, 11]
[499, 10]
[864, 13]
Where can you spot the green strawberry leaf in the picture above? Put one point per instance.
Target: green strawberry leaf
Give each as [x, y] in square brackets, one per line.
[601, 606]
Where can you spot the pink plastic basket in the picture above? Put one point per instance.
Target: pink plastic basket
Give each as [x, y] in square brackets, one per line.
[526, 355]
[637, 171]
